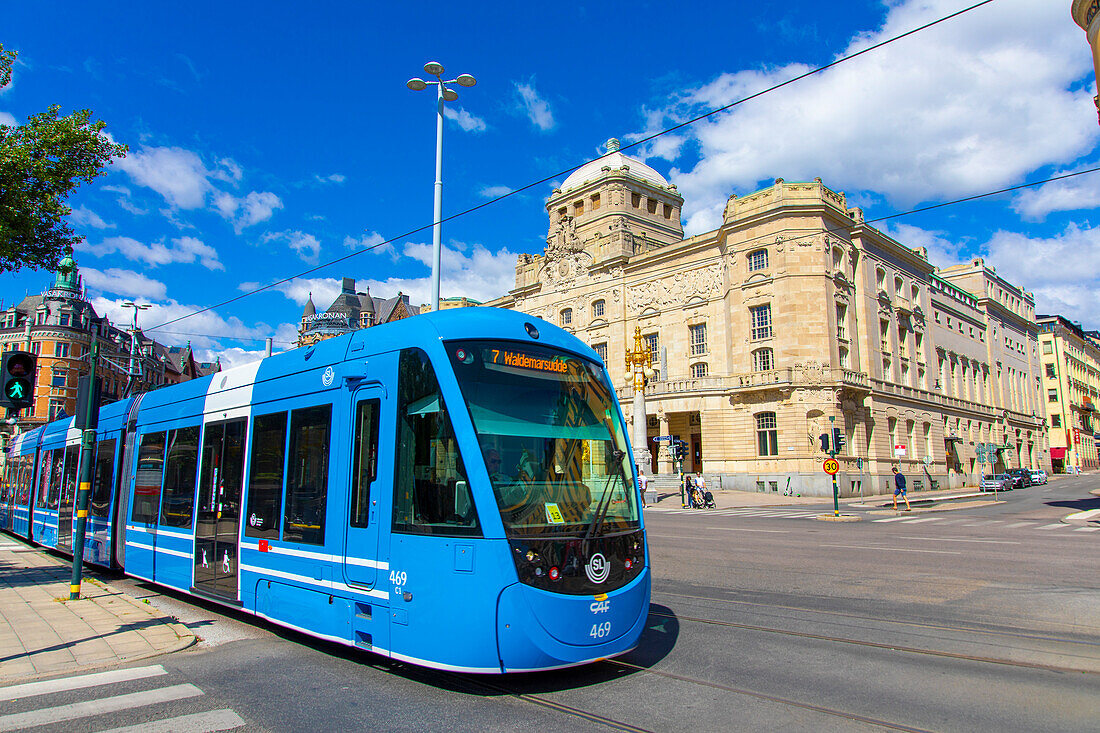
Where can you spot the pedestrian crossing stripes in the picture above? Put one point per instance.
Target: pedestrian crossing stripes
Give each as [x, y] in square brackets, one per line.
[92, 686]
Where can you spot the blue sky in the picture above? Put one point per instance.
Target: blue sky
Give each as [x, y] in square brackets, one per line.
[267, 138]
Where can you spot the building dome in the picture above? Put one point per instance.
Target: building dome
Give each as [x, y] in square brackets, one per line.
[67, 277]
[615, 160]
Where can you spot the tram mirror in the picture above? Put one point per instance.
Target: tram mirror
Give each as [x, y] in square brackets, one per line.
[462, 499]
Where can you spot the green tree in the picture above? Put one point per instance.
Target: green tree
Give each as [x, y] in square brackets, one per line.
[41, 163]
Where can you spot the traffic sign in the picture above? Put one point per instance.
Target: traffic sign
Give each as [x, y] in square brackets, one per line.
[662, 438]
[859, 463]
[831, 466]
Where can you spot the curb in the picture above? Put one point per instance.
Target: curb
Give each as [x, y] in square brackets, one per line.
[835, 518]
[1090, 517]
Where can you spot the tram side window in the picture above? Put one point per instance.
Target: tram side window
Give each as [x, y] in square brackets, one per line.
[181, 467]
[56, 476]
[431, 494]
[72, 460]
[103, 480]
[45, 471]
[364, 460]
[150, 471]
[307, 475]
[265, 480]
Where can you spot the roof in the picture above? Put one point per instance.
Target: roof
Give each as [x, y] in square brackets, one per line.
[615, 160]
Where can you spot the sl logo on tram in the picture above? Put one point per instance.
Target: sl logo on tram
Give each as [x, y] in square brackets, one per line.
[597, 568]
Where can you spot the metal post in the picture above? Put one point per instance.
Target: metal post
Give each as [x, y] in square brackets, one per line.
[832, 454]
[83, 494]
[437, 227]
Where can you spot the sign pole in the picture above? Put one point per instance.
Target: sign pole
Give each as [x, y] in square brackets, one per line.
[83, 494]
[832, 454]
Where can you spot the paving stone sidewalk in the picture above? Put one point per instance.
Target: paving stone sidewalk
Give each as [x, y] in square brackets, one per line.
[43, 633]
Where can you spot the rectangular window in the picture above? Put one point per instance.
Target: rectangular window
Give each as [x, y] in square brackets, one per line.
[181, 467]
[61, 350]
[307, 475]
[431, 493]
[36, 347]
[1050, 371]
[761, 321]
[841, 321]
[652, 344]
[150, 472]
[597, 309]
[1056, 421]
[59, 378]
[64, 319]
[767, 434]
[601, 351]
[758, 260]
[763, 360]
[567, 317]
[1052, 395]
[364, 460]
[1048, 348]
[699, 370]
[265, 478]
[698, 335]
[103, 480]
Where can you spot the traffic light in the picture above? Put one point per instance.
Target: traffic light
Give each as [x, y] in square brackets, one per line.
[17, 380]
[679, 450]
[824, 438]
[838, 439]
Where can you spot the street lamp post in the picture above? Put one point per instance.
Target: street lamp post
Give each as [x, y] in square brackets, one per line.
[638, 367]
[443, 94]
[135, 364]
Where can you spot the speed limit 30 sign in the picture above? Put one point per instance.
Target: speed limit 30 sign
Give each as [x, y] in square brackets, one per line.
[831, 466]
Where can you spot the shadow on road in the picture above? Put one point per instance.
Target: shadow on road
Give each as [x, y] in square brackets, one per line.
[1077, 505]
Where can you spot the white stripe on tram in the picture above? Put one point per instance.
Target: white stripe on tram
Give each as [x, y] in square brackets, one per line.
[30, 689]
[75, 711]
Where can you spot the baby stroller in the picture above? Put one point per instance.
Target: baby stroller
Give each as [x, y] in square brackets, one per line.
[701, 499]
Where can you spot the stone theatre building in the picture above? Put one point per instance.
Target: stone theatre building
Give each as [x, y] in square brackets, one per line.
[792, 317]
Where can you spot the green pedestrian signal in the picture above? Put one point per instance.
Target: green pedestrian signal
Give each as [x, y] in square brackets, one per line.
[17, 380]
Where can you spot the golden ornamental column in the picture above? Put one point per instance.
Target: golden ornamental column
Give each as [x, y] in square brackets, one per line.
[1086, 13]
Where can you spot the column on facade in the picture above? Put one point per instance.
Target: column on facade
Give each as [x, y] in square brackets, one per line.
[665, 465]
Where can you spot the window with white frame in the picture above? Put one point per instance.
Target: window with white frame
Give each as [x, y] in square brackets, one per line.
[653, 345]
[761, 321]
[601, 351]
[758, 260]
[767, 434]
[566, 317]
[841, 321]
[698, 333]
[57, 406]
[699, 370]
[59, 378]
[763, 360]
[61, 350]
[597, 309]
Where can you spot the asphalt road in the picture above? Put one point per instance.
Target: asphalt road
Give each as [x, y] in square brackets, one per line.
[985, 616]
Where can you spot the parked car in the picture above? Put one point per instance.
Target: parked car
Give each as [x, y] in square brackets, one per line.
[1038, 477]
[997, 482]
[1021, 477]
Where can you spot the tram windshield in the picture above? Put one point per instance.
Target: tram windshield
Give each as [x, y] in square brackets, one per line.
[551, 437]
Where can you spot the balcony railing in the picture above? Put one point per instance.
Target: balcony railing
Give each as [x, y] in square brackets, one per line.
[789, 376]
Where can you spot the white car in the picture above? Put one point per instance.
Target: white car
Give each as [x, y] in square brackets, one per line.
[997, 482]
[1038, 477]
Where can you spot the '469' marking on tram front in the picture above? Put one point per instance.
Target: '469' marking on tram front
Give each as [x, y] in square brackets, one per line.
[398, 578]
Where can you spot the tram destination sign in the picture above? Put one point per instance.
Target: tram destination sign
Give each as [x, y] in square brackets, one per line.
[521, 360]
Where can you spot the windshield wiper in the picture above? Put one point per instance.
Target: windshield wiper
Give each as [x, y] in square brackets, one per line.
[601, 507]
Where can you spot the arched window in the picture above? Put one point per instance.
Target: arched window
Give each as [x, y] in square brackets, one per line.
[838, 258]
[763, 360]
[699, 370]
[767, 434]
[880, 278]
[566, 316]
[758, 260]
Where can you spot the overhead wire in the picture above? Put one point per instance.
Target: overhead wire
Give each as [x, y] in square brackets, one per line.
[639, 142]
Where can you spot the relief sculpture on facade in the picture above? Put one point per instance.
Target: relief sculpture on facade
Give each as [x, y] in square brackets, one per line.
[705, 283]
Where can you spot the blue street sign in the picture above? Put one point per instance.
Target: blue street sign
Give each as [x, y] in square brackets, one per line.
[661, 438]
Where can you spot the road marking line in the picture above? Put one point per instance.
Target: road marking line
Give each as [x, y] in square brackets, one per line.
[213, 720]
[30, 689]
[960, 539]
[1057, 525]
[1020, 524]
[894, 549]
[926, 519]
[746, 529]
[62, 713]
[1086, 529]
[890, 519]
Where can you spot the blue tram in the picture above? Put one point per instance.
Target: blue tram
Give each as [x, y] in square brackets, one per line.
[454, 490]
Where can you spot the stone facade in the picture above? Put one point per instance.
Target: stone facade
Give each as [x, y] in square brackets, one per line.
[1070, 391]
[791, 318]
[349, 312]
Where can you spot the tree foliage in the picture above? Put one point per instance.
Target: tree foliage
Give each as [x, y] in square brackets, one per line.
[41, 163]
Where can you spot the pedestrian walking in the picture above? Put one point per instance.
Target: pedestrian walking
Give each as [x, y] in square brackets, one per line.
[643, 484]
[899, 488]
[686, 487]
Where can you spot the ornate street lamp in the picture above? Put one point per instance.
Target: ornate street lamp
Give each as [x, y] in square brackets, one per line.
[639, 370]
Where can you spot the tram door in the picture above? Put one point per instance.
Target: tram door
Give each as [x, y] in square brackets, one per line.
[369, 481]
[68, 498]
[217, 522]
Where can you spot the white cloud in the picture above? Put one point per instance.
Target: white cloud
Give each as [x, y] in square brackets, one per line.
[942, 252]
[323, 290]
[333, 178]
[465, 120]
[7, 119]
[535, 107]
[306, 245]
[182, 249]
[126, 283]
[967, 106]
[1070, 194]
[83, 216]
[176, 174]
[1062, 270]
[228, 170]
[372, 241]
[206, 331]
[492, 192]
[243, 212]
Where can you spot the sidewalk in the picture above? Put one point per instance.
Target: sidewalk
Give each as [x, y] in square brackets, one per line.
[43, 633]
[730, 499]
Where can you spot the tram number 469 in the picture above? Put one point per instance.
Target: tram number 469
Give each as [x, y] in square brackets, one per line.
[599, 631]
[398, 578]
